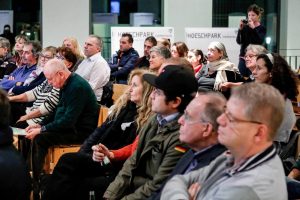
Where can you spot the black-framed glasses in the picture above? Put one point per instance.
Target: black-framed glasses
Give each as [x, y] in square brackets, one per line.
[233, 119]
[250, 56]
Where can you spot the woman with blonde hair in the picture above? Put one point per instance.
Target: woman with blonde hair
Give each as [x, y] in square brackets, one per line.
[77, 173]
[72, 43]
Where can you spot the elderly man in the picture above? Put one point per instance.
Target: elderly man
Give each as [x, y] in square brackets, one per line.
[143, 62]
[30, 56]
[74, 119]
[94, 68]
[125, 59]
[251, 169]
[199, 131]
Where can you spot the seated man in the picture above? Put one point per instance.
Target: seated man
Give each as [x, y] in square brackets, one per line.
[94, 69]
[159, 148]
[251, 169]
[143, 62]
[74, 119]
[199, 131]
[14, 175]
[30, 56]
[125, 59]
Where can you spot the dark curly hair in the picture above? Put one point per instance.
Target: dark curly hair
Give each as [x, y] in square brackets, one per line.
[283, 78]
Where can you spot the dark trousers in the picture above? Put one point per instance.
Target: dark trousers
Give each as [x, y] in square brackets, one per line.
[17, 110]
[75, 175]
[43, 141]
[245, 72]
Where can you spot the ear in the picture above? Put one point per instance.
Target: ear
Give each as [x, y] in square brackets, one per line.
[208, 130]
[176, 102]
[262, 134]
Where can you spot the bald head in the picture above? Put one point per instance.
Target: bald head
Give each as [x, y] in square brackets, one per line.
[56, 72]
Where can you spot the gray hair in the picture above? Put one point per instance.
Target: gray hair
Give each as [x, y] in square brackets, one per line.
[4, 43]
[213, 108]
[161, 50]
[99, 40]
[262, 103]
[54, 65]
[257, 49]
[36, 47]
[220, 47]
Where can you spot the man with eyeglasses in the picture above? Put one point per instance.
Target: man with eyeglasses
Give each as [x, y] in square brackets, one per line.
[199, 131]
[250, 169]
[159, 148]
[73, 121]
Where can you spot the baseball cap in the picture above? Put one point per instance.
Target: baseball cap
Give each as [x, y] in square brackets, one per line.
[175, 80]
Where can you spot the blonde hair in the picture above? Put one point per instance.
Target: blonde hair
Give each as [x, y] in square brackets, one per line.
[144, 109]
[77, 50]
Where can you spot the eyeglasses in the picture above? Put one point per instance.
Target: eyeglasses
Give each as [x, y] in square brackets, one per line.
[250, 56]
[233, 119]
[187, 118]
[46, 56]
[60, 57]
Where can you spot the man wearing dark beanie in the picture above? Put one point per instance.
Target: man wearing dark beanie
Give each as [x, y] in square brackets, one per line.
[14, 176]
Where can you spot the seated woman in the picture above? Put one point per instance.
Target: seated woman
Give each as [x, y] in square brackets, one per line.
[72, 43]
[179, 49]
[77, 173]
[196, 58]
[274, 70]
[158, 55]
[218, 70]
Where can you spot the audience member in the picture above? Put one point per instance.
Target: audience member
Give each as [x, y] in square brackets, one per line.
[293, 184]
[159, 147]
[199, 131]
[68, 56]
[196, 58]
[7, 65]
[143, 62]
[8, 34]
[164, 42]
[274, 70]
[251, 169]
[14, 175]
[124, 61]
[29, 58]
[179, 49]
[72, 43]
[94, 67]
[176, 61]
[78, 171]
[158, 55]
[250, 32]
[18, 49]
[73, 121]
[218, 70]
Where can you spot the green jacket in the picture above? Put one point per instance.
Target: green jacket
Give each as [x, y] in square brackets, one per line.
[150, 165]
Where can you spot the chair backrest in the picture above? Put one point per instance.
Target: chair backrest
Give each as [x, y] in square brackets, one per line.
[102, 115]
[119, 89]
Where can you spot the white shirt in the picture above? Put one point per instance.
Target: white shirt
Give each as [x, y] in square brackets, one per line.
[96, 71]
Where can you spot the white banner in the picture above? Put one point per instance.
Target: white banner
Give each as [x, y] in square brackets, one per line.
[199, 38]
[139, 35]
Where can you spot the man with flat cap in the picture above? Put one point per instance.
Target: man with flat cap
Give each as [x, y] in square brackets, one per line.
[159, 147]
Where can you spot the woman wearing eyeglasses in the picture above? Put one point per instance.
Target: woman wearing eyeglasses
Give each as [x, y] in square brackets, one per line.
[274, 70]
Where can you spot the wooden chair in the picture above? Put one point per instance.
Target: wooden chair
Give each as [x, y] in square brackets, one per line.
[102, 115]
[119, 89]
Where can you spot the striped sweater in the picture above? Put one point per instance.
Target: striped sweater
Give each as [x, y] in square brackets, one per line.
[45, 99]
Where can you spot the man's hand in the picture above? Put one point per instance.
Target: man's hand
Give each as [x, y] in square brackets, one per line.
[193, 190]
[32, 127]
[32, 133]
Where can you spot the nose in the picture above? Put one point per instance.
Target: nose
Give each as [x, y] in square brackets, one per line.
[221, 120]
[181, 120]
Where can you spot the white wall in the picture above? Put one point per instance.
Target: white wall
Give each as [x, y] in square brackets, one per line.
[290, 29]
[62, 18]
[187, 13]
